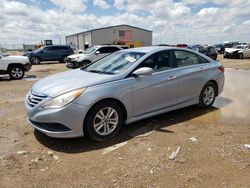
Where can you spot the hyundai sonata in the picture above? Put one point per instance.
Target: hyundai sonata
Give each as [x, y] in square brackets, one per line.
[124, 87]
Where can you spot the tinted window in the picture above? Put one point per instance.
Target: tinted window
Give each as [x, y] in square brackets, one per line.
[158, 62]
[105, 50]
[60, 48]
[184, 58]
[47, 49]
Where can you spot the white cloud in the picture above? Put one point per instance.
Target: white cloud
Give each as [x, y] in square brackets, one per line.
[119, 4]
[71, 5]
[170, 22]
[208, 11]
[101, 4]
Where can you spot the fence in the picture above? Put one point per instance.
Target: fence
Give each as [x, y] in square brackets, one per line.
[11, 47]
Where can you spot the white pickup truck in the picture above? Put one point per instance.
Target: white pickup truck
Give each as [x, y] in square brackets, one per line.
[15, 66]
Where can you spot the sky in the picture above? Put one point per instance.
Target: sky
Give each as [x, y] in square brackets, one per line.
[172, 21]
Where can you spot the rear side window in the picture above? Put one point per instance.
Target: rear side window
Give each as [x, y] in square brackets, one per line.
[184, 58]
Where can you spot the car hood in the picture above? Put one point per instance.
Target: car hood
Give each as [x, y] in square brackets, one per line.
[58, 84]
[77, 56]
[16, 58]
[230, 50]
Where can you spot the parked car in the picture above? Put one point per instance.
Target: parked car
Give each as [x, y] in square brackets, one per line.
[124, 87]
[50, 53]
[206, 50]
[220, 48]
[15, 66]
[239, 51]
[90, 55]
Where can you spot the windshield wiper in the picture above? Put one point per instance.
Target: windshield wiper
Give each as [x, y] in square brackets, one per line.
[100, 72]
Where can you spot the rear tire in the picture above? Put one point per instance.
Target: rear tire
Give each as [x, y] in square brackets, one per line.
[16, 72]
[103, 121]
[207, 95]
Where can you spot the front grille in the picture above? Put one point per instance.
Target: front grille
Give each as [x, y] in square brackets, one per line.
[35, 99]
[53, 127]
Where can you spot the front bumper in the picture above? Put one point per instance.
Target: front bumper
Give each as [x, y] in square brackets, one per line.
[27, 66]
[72, 64]
[66, 122]
[231, 55]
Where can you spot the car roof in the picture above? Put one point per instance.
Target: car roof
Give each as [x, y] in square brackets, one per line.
[149, 49]
[106, 45]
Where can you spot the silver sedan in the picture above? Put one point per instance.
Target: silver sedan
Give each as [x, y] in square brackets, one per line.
[122, 88]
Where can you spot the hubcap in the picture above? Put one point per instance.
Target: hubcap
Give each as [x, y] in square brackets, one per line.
[16, 72]
[208, 95]
[105, 121]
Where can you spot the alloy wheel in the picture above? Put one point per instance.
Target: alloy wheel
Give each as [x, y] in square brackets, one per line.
[16, 73]
[208, 95]
[35, 60]
[105, 121]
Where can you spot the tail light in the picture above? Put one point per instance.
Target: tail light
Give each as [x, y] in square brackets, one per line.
[222, 69]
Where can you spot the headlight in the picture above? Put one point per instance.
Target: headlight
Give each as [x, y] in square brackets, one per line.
[63, 99]
[76, 58]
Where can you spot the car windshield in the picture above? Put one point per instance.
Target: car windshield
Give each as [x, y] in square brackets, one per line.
[89, 50]
[115, 63]
[38, 50]
[3, 54]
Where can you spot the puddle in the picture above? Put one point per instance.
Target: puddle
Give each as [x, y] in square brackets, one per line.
[30, 78]
[234, 102]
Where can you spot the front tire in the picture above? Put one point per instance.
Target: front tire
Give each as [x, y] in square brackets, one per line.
[207, 95]
[103, 121]
[241, 56]
[35, 60]
[64, 59]
[85, 63]
[16, 72]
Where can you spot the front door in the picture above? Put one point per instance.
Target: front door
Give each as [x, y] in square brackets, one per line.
[157, 91]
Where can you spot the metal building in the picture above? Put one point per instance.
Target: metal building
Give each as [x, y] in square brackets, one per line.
[119, 34]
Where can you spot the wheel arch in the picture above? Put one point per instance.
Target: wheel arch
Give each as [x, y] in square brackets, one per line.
[121, 105]
[14, 65]
[216, 86]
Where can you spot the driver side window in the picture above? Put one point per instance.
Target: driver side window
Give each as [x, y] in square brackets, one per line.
[158, 62]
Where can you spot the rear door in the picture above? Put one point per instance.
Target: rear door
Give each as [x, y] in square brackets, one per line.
[157, 91]
[191, 70]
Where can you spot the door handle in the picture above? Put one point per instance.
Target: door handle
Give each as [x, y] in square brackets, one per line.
[171, 77]
[201, 68]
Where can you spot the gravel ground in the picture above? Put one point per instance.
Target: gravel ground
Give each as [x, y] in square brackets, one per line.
[212, 151]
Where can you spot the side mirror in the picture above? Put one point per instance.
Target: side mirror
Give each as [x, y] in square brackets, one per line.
[97, 52]
[143, 71]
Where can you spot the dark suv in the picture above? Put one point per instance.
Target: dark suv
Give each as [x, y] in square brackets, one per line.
[50, 53]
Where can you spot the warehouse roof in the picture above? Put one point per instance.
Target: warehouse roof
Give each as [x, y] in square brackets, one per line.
[111, 27]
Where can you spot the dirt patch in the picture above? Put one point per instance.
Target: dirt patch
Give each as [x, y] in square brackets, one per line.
[139, 155]
[241, 64]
